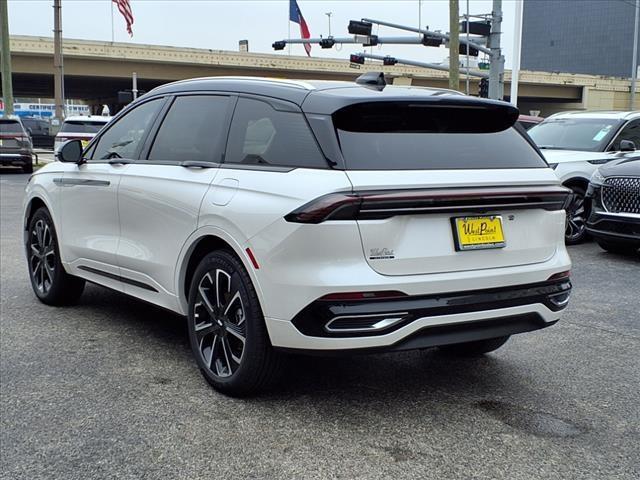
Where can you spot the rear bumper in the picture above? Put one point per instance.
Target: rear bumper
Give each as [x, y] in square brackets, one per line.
[16, 159]
[422, 321]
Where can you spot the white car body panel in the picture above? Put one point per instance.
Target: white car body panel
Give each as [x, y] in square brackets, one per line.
[574, 164]
[159, 207]
[532, 235]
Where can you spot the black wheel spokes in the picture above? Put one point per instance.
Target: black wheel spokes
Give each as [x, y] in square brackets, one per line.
[220, 322]
[42, 256]
[575, 217]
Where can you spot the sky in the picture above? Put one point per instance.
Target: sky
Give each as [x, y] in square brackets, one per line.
[220, 24]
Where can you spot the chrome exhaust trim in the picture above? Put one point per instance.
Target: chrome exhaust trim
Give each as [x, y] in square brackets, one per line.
[369, 323]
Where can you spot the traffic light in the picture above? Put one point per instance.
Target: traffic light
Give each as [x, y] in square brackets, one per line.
[389, 61]
[473, 52]
[355, 58]
[359, 28]
[431, 41]
[279, 45]
[476, 28]
[483, 90]
[327, 43]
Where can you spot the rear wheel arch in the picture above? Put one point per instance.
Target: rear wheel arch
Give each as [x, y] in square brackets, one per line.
[197, 251]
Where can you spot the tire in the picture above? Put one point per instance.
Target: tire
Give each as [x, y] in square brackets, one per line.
[577, 214]
[51, 284]
[473, 349]
[227, 332]
[27, 168]
[617, 247]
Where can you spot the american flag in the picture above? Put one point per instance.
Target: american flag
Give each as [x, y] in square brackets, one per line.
[295, 15]
[125, 10]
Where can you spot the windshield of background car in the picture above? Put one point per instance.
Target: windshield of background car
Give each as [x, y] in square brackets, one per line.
[408, 136]
[10, 126]
[81, 126]
[588, 134]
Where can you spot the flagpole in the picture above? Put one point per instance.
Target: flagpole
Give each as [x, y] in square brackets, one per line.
[112, 28]
[289, 33]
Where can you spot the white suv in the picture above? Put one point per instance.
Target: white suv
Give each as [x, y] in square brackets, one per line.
[308, 217]
[82, 128]
[575, 144]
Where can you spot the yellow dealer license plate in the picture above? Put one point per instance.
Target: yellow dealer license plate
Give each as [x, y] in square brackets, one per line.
[476, 233]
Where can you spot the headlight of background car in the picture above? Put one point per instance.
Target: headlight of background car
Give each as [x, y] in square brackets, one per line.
[597, 178]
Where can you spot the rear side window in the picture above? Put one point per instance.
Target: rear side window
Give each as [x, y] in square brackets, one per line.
[81, 126]
[261, 135]
[123, 137]
[194, 129]
[10, 126]
[410, 136]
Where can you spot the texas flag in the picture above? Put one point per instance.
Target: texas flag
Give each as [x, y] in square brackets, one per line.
[295, 15]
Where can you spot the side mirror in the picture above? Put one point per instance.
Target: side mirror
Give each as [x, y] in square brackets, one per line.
[29, 131]
[71, 152]
[627, 146]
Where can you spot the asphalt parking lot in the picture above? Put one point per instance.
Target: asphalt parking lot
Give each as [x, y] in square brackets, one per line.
[108, 389]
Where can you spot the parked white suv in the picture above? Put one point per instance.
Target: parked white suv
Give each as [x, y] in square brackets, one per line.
[82, 128]
[575, 144]
[309, 217]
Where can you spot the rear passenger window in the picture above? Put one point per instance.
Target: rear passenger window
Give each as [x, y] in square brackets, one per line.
[122, 139]
[194, 129]
[261, 135]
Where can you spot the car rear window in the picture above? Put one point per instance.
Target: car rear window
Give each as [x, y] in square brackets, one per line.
[81, 126]
[10, 126]
[410, 136]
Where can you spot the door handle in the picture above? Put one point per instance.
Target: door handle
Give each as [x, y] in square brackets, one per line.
[197, 164]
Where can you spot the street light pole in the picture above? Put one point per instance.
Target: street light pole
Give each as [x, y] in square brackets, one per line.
[496, 68]
[454, 45]
[58, 81]
[328, 14]
[517, 45]
[5, 53]
[634, 72]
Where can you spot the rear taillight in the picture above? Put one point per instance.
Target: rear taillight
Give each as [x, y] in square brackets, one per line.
[18, 138]
[560, 276]
[376, 205]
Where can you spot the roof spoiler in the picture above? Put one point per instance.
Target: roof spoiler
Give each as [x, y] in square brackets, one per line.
[372, 79]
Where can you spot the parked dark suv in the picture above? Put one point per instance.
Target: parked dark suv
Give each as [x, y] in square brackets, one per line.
[15, 145]
[39, 130]
[615, 214]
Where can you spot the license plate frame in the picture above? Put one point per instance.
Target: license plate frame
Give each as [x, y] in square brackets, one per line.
[483, 241]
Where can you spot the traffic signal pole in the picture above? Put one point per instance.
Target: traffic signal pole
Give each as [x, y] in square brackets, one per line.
[361, 31]
[413, 63]
[5, 53]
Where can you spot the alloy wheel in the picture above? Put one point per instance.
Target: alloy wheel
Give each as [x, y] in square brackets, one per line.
[42, 256]
[219, 324]
[576, 217]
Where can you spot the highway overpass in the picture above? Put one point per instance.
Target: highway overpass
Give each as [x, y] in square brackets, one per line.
[95, 71]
